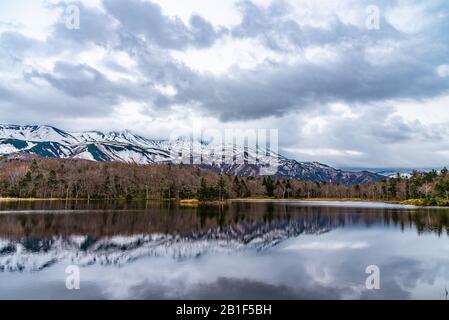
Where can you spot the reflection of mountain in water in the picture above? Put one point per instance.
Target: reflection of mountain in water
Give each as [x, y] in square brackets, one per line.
[31, 242]
[36, 254]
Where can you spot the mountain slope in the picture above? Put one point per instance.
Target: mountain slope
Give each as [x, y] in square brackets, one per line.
[50, 142]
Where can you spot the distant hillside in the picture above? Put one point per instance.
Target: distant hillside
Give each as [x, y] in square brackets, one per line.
[393, 172]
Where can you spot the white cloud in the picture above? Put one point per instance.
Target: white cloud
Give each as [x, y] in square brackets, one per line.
[225, 54]
[443, 70]
[221, 12]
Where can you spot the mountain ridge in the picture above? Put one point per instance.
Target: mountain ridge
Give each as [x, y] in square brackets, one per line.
[125, 146]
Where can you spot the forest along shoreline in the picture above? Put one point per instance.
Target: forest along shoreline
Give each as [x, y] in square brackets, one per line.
[196, 201]
[57, 179]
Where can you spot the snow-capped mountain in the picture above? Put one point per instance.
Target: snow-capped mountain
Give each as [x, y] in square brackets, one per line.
[47, 141]
[393, 172]
[50, 142]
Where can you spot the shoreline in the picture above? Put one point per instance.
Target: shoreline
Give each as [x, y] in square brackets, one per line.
[319, 199]
[9, 199]
[30, 199]
[195, 202]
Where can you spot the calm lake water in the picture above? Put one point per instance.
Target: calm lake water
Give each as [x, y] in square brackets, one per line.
[244, 250]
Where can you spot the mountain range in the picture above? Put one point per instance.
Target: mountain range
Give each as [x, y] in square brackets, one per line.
[50, 142]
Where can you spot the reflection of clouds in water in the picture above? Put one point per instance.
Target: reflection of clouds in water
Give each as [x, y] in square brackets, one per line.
[421, 278]
[324, 266]
[217, 277]
[275, 275]
[321, 274]
[325, 246]
[252, 277]
[259, 278]
[233, 288]
[399, 278]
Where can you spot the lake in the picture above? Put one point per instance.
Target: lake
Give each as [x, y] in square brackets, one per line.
[243, 250]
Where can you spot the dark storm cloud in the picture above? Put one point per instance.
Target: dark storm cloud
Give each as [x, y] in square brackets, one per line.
[14, 46]
[277, 89]
[37, 104]
[97, 28]
[146, 18]
[270, 89]
[273, 26]
[396, 130]
[79, 80]
[115, 32]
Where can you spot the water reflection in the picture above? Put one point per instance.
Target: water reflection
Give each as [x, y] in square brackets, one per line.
[98, 219]
[241, 250]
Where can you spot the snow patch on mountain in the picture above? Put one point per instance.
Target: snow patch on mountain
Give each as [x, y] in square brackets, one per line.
[36, 134]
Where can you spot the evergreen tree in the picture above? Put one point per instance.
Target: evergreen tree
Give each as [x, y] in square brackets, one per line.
[221, 188]
[203, 191]
[237, 187]
[288, 189]
[269, 186]
[442, 188]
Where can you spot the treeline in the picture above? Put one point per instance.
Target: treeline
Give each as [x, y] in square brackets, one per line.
[82, 179]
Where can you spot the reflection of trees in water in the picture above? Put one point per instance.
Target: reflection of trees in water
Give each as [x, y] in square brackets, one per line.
[108, 219]
[436, 221]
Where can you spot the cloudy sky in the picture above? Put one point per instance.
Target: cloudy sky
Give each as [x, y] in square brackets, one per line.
[339, 89]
